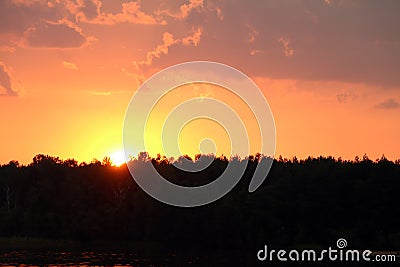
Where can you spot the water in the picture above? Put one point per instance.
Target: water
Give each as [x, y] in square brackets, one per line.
[28, 258]
[25, 258]
[91, 258]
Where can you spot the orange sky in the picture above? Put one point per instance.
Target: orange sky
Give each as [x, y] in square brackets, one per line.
[329, 70]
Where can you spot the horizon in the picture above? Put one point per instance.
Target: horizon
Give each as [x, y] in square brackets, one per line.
[117, 162]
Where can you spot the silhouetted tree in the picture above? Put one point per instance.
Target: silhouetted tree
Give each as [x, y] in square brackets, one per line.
[307, 202]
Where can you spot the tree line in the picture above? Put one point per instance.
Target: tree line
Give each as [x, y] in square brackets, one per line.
[302, 203]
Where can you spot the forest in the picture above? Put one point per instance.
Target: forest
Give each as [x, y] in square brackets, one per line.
[302, 203]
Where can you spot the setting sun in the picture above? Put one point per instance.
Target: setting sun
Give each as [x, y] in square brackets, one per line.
[201, 132]
[118, 158]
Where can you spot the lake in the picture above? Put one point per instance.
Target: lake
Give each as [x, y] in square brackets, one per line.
[102, 258]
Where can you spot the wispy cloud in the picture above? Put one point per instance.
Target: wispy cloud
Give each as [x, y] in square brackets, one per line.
[25, 2]
[346, 96]
[6, 87]
[287, 49]
[389, 103]
[108, 93]
[185, 9]
[70, 65]
[163, 49]
[7, 48]
[255, 52]
[253, 34]
[130, 13]
[193, 39]
[100, 93]
[168, 41]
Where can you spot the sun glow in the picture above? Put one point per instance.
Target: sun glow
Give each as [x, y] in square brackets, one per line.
[118, 158]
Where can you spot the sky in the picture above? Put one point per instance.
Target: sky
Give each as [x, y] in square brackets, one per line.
[328, 69]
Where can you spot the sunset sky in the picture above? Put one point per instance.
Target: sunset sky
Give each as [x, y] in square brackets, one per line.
[330, 70]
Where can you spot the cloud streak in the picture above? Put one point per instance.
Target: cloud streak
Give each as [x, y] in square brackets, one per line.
[389, 103]
[163, 49]
[6, 88]
[70, 65]
[345, 96]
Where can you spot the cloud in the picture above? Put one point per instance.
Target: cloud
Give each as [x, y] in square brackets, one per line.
[6, 88]
[194, 39]
[26, 2]
[90, 9]
[168, 41]
[255, 52]
[389, 103]
[70, 65]
[354, 42]
[61, 34]
[346, 41]
[219, 13]
[162, 49]
[130, 13]
[40, 24]
[186, 9]
[287, 49]
[253, 34]
[100, 93]
[346, 96]
[7, 48]
[109, 93]
[17, 16]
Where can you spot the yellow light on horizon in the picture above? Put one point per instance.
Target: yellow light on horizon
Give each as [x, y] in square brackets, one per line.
[118, 158]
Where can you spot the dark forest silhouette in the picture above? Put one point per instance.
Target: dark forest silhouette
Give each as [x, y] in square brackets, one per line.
[310, 202]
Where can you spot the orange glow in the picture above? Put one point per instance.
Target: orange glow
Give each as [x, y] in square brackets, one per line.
[196, 130]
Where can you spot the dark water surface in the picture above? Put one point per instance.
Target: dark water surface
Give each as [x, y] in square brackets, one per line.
[102, 258]
[26, 258]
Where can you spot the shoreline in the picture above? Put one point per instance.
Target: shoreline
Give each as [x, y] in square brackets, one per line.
[35, 243]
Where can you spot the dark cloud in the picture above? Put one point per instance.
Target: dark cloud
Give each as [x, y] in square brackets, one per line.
[90, 9]
[5, 81]
[389, 103]
[54, 36]
[16, 17]
[39, 23]
[346, 96]
[348, 41]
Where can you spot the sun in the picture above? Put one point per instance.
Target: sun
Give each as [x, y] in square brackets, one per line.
[118, 158]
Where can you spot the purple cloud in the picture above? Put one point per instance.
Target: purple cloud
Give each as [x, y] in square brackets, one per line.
[5, 81]
[389, 103]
